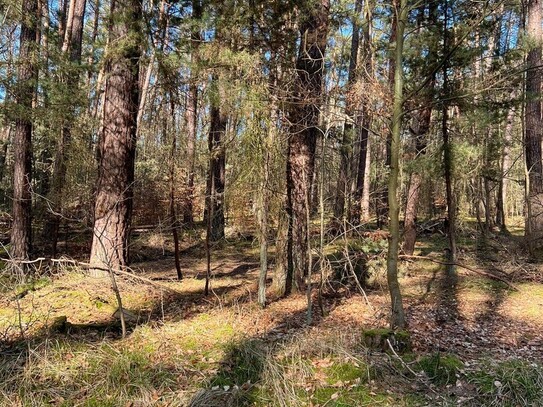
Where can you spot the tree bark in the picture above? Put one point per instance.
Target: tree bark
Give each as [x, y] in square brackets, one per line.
[173, 211]
[501, 204]
[365, 202]
[419, 131]
[303, 116]
[217, 167]
[359, 208]
[191, 114]
[114, 191]
[350, 127]
[534, 128]
[448, 159]
[27, 74]
[397, 320]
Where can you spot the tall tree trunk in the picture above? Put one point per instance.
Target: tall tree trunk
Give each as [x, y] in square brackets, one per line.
[62, 14]
[419, 131]
[382, 199]
[448, 157]
[350, 125]
[7, 127]
[217, 166]
[71, 48]
[263, 209]
[303, 116]
[359, 208]
[397, 320]
[365, 202]
[501, 204]
[191, 113]
[534, 128]
[114, 191]
[27, 74]
[173, 211]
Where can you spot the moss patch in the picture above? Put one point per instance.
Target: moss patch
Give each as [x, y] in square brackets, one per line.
[440, 369]
[381, 337]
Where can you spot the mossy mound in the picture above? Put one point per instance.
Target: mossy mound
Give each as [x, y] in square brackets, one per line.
[383, 338]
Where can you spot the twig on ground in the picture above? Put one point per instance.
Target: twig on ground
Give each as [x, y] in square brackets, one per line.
[476, 271]
[417, 375]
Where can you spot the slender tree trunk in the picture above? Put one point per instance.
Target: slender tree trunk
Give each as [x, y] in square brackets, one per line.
[71, 48]
[397, 318]
[534, 128]
[7, 127]
[191, 122]
[62, 14]
[263, 216]
[501, 210]
[448, 158]
[382, 199]
[303, 116]
[191, 115]
[92, 42]
[27, 74]
[359, 208]
[173, 212]
[217, 166]
[350, 128]
[114, 192]
[419, 131]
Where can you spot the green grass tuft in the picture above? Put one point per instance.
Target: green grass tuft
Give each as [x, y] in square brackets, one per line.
[509, 383]
[441, 369]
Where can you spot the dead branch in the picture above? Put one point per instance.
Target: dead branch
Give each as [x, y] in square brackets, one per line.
[130, 274]
[476, 271]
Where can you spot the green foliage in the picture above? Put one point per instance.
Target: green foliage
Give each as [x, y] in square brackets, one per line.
[353, 396]
[346, 372]
[441, 369]
[32, 285]
[510, 383]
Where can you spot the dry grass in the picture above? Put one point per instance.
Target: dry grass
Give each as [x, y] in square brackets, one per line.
[184, 349]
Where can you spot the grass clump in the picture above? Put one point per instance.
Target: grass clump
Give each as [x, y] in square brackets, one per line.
[33, 285]
[353, 396]
[441, 369]
[346, 372]
[243, 363]
[509, 383]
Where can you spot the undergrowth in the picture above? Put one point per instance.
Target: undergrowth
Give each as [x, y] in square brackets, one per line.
[509, 383]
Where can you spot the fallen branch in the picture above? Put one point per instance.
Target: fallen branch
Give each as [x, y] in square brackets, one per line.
[476, 271]
[88, 266]
[417, 375]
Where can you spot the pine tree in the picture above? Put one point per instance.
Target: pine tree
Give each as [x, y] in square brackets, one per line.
[113, 208]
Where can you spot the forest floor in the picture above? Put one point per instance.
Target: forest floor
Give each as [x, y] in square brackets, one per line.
[477, 342]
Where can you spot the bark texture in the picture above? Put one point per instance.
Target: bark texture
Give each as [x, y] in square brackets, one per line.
[303, 116]
[397, 320]
[350, 128]
[22, 138]
[534, 127]
[114, 192]
[419, 131]
[191, 117]
[360, 205]
[216, 171]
